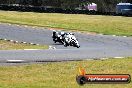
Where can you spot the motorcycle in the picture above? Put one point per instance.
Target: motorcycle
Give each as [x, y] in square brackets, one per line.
[73, 42]
[67, 39]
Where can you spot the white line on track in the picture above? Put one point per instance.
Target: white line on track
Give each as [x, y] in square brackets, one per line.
[114, 35]
[32, 43]
[26, 26]
[5, 39]
[16, 41]
[101, 34]
[88, 59]
[24, 42]
[103, 58]
[32, 49]
[33, 27]
[118, 57]
[11, 40]
[15, 61]
[51, 47]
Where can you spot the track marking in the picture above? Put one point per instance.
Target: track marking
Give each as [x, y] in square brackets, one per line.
[37, 44]
[124, 36]
[11, 40]
[33, 27]
[32, 43]
[9, 24]
[18, 25]
[5, 39]
[24, 42]
[25, 26]
[16, 41]
[118, 57]
[32, 49]
[15, 61]
[51, 47]
[113, 35]
[101, 34]
[104, 58]
[88, 59]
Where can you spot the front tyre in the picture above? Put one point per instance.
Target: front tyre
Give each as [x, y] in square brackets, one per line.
[78, 46]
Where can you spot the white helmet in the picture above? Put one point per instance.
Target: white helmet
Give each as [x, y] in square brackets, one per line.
[54, 31]
[71, 34]
[62, 32]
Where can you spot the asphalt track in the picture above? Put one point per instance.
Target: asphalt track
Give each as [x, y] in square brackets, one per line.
[93, 46]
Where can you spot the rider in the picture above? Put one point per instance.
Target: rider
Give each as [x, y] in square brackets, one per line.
[58, 36]
[64, 37]
[54, 34]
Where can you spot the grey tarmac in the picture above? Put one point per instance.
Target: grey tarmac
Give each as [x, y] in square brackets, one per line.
[93, 46]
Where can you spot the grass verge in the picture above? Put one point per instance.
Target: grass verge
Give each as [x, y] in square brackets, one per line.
[62, 74]
[117, 25]
[6, 45]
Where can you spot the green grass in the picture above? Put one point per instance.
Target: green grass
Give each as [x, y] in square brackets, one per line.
[62, 74]
[117, 25]
[6, 45]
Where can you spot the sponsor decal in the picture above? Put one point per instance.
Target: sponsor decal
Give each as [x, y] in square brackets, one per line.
[84, 78]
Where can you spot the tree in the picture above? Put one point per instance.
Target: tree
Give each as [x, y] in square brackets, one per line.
[36, 2]
[102, 5]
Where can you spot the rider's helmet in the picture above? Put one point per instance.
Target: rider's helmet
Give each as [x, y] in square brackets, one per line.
[54, 31]
[62, 33]
[70, 34]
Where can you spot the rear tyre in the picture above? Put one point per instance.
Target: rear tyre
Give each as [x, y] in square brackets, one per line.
[65, 44]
